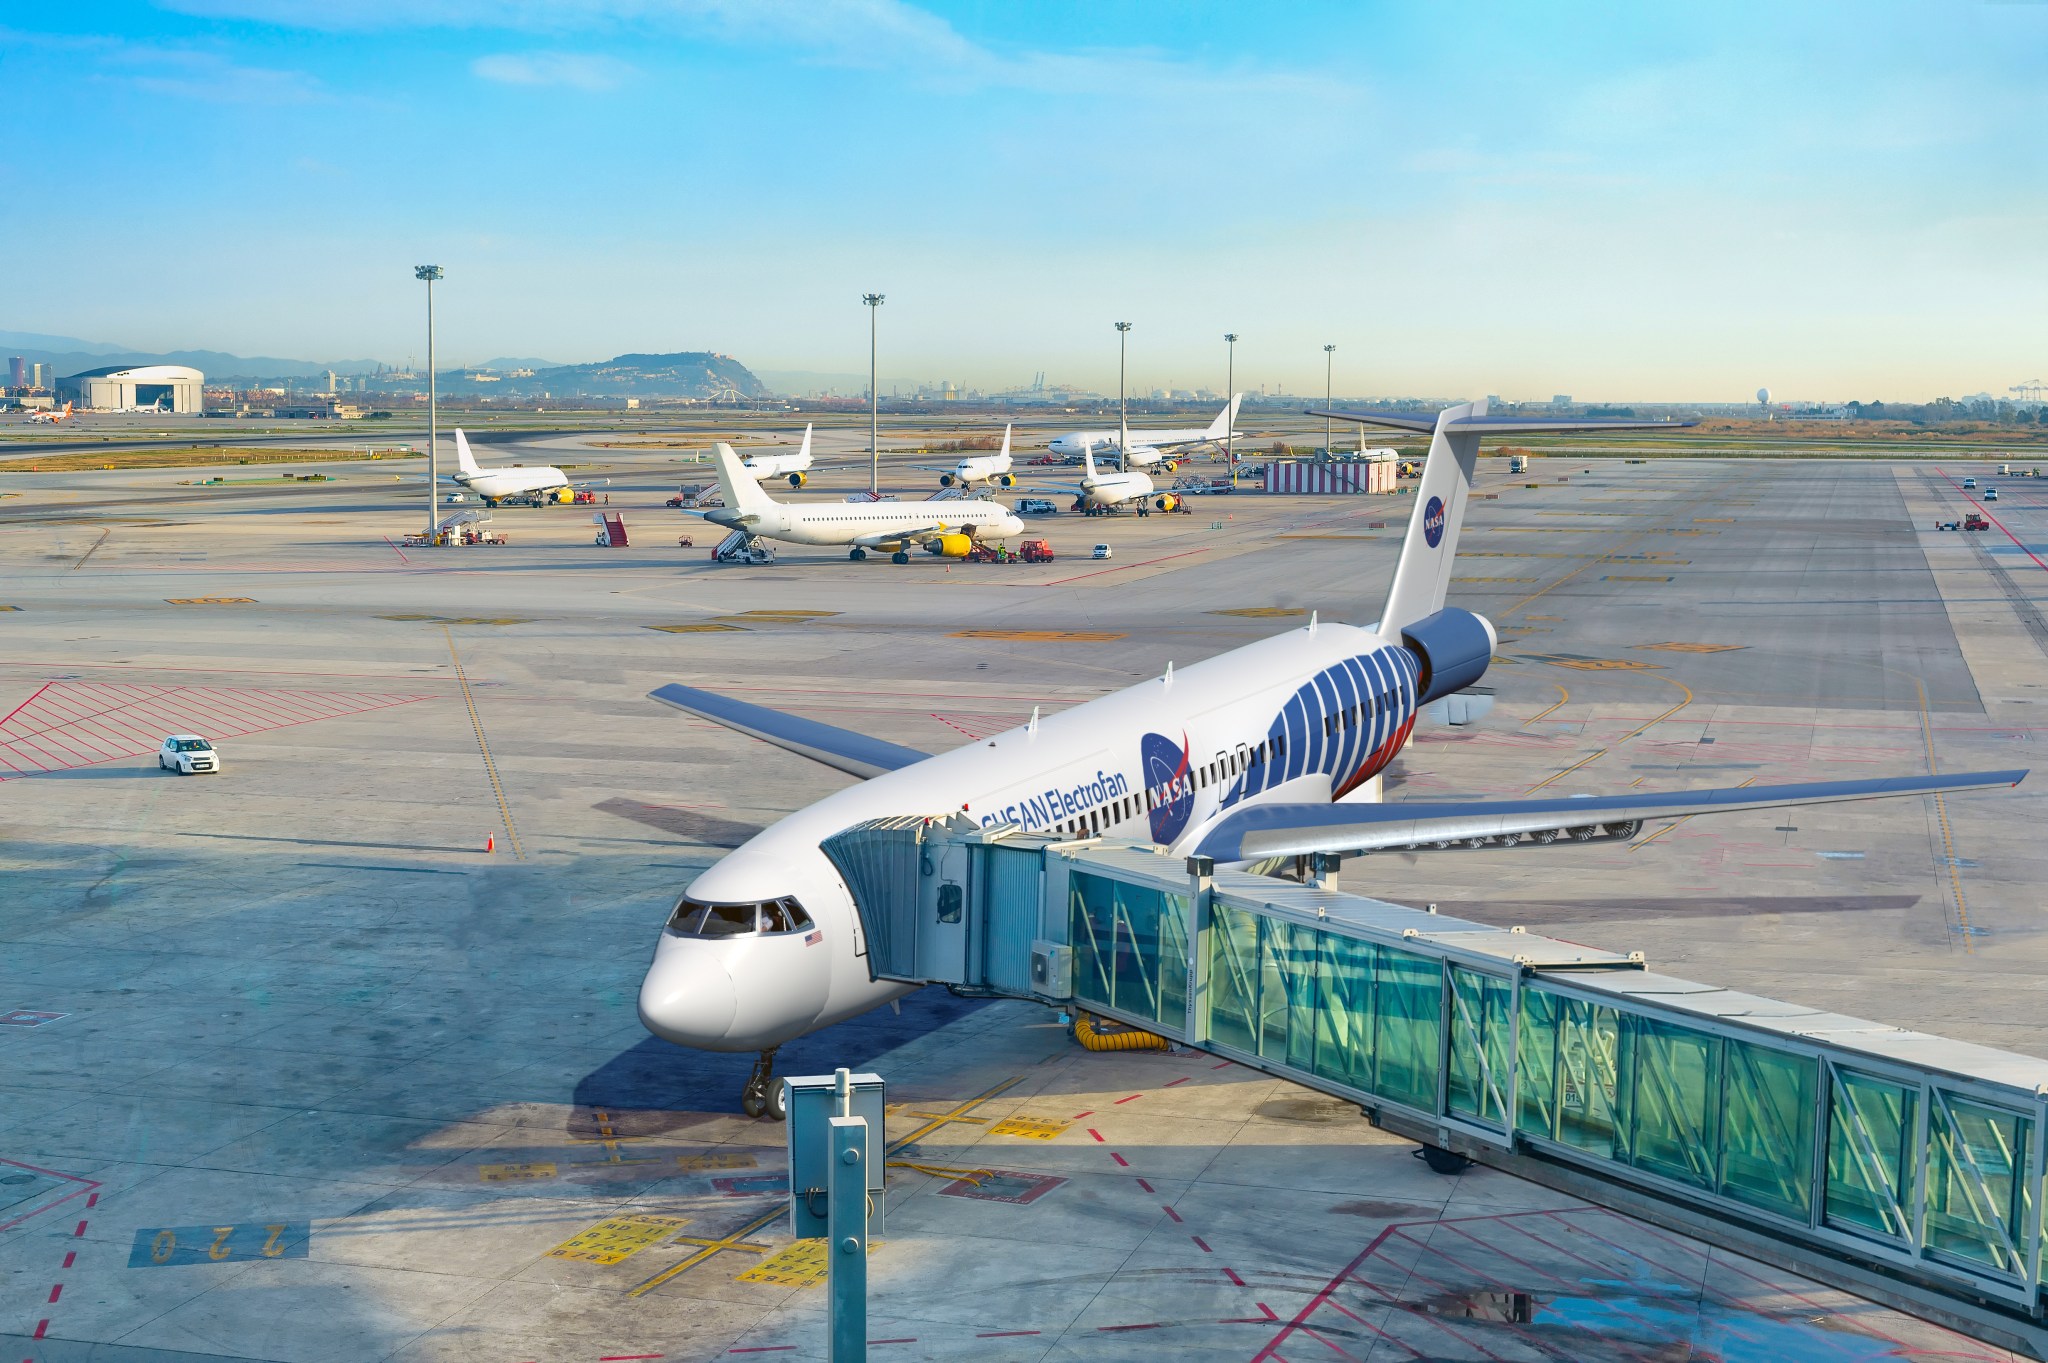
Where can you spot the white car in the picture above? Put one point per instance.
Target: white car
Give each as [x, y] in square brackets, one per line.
[187, 753]
[1102, 551]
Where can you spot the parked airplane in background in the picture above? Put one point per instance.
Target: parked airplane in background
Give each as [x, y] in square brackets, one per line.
[1108, 490]
[1266, 751]
[1141, 449]
[52, 417]
[794, 468]
[992, 470]
[862, 525]
[493, 485]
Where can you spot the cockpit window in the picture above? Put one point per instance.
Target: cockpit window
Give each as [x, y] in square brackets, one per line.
[693, 918]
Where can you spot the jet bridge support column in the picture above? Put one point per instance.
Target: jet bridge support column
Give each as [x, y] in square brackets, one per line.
[1201, 885]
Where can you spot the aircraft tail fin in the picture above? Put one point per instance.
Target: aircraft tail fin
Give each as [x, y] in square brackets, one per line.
[463, 457]
[1225, 419]
[804, 454]
[1004, 458]
[1088, 458]
[742, 492]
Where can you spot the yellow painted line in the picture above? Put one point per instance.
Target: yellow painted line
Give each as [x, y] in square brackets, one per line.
[1030, 1128]
[1612, 578]
[483, 746]
[789, 615]
[1619, 741]
[1562, 696]
[513, 1173]
[209, 600]
[1084, 636]
[1948, 842]
[705, 627]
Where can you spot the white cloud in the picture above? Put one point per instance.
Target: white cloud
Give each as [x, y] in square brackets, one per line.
[575, 70]
[189, 74]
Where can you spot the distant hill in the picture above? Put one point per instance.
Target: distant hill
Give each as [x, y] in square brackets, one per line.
[685, 374]
[69, 355]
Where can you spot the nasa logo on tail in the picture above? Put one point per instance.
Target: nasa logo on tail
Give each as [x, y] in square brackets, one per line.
[1167, 779]
[1433, 522]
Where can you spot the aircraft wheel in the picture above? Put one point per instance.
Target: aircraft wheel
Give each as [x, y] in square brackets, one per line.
[900, 556]
[753, 1101]
[778, 1102]
[857, 555]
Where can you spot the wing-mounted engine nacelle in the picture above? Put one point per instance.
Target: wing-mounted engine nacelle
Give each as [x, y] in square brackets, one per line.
[1454, 647]
[950, 545]
[946, 480]
[798, 479]
[1006, 480]
[1167, 502]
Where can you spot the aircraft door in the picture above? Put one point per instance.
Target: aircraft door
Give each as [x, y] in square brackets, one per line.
[946, 893]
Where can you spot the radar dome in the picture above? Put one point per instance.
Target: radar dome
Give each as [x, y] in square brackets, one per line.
[1763, 395]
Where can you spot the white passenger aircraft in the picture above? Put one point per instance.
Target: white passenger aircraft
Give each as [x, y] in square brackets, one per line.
[1267, 751]
[493, 485]
[1108, 490]
[861, 526]
[1141, 449]
[792, 468]
[992, 470]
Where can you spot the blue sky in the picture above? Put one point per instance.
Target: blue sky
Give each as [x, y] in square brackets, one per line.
[1612, 201]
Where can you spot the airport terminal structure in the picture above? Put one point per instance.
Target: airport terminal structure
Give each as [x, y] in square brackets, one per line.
[171, 388]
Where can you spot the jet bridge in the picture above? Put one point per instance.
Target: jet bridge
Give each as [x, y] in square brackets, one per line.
[1904, 1167]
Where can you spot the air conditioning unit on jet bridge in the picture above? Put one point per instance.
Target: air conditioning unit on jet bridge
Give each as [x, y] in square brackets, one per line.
[1052, 969]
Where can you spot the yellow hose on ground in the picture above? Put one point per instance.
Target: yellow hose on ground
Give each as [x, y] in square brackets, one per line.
[1100, 1034]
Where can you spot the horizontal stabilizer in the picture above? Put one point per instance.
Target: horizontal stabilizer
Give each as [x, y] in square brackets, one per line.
[840, 749]
[1260, 831]
[1425, 422]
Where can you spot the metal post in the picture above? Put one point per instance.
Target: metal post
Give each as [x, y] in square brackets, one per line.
[1230, 392]
[1123, 419]
[1329, 360]
[428, 274]
[847, 1238]
[874, 301]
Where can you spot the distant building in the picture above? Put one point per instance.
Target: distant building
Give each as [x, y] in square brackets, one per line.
[117, 388]
[38, 378]
[1561, 400]
[17, 372]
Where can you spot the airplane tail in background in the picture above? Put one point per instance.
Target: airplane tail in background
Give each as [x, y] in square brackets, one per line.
[463, 457]
[742, 493]
[804, 454]
[1225, 419]
[1088, 458]
[1423, 575]
[1005, 457]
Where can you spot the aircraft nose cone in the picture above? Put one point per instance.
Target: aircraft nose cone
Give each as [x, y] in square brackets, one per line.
[687, 997]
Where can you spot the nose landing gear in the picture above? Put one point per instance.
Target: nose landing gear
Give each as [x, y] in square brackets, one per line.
[763, 1095]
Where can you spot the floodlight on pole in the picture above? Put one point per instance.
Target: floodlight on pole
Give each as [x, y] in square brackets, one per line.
[1123, 419]
[1229, 397]
[427, 274]
[874, 302]
[1329, 362]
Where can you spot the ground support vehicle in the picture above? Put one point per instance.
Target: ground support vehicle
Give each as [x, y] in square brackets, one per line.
[187, 753]
[1035, 551]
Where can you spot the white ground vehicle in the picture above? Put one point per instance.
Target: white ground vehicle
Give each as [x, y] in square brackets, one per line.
[1102, 551]
[187, 753]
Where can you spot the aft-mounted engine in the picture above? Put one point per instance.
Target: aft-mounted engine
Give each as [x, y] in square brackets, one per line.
[1454, 647]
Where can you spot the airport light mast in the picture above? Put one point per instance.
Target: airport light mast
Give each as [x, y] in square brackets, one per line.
[1229, 393]
[427, 274]
[874, 302]
[1329, 361]
[1123, 419]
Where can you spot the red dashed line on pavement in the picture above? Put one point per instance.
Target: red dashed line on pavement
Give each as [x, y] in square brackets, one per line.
[1132, 1099]
[1171, 1212]
[1119, 1329]
[1201, 1244]
[625, 1358]
[41, 1327]
[1096, 1134]
[1224, 1066]
[1079, 1115]
[71, 1258]
[90, 1202]
[765, 1349]
[1182, 1080]
[56, 1292]
[1007, 1334]
[1231, 1274]
[1119, 1159]
[1146, 1186]
[80, 1231]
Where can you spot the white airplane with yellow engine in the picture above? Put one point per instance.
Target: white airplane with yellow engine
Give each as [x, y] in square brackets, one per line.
[863, 525]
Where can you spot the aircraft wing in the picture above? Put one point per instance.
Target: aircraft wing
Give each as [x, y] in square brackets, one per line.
[1425, 422]
[908, 533]
[1260, 831]
[841, 749]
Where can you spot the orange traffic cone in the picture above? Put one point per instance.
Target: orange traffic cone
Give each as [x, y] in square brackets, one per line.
[490, 842]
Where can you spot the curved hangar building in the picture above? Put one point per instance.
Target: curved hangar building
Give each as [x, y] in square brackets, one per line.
[119, 388]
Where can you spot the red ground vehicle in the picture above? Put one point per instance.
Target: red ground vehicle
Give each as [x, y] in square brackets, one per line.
[1973, 521]
[1035, 551]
